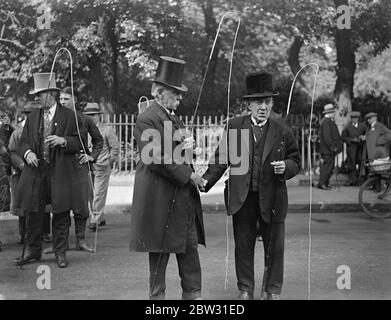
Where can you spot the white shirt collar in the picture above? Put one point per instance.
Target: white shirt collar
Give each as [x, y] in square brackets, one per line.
[373, 124]
[261, 124]
[168, 111]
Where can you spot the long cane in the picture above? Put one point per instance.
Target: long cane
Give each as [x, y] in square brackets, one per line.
[24, 240]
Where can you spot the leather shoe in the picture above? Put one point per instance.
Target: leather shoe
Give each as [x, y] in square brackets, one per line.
[82, 245]
[273, 296]
[62, 261]
[47, 238]
[324, 187]
[244, 295]
[27, 259]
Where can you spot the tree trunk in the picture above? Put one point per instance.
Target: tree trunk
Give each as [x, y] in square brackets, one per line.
[343, 92]
[294, 61]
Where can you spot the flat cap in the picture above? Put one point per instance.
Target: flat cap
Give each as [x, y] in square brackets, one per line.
[355, 114]
[370, 115]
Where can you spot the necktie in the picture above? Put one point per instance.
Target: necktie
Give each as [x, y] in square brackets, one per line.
[46, 123]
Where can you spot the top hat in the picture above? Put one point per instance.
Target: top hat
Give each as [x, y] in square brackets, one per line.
[259, 85]
[44, 82]
[92, 108]
[355, 114]
[170, 73]
[370, 115]
[328, 108]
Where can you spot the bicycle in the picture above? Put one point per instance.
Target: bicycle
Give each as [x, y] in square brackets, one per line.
[374, 195]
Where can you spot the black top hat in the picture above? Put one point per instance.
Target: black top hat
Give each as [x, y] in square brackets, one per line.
[170, 73]
[259, 85]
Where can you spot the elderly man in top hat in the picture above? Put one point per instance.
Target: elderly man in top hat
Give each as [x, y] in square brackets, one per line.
[353, 135]
[102, 165]
[330, 145]
[166, 211]
[48, 144]
[256, 193]
[377, 139]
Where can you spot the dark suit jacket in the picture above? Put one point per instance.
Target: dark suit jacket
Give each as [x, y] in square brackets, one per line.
[280, 145]
[330, 139]
[164, 195]
[350, 135]
[64, 190]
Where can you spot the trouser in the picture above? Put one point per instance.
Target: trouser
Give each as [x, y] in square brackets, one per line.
[326, 169]
[101, 184]
[247, 222]
[45, 226]
[188, 265]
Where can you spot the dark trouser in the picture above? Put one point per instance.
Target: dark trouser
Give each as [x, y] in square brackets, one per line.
[60, 229]
[80, 226]
[188, 265]
[245, 224]
[34, 224]
[326, 169]
[46, 223]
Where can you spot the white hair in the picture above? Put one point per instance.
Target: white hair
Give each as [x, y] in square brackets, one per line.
[156, 87]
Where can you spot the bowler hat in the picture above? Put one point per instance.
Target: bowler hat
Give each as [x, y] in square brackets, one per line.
[259, 85]
[170, 73]
[355, 114]
[92, 108]
[370, 115]
[44, 82]
[329, 108]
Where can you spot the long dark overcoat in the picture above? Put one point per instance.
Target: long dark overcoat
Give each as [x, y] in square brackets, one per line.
[354, 145]
[377, 142]
[279, 145]
[164, 195]
[65, 189]
[330, 139]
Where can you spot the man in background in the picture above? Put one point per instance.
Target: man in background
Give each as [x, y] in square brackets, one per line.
[353, 135]
[102, 166]
[330, 145]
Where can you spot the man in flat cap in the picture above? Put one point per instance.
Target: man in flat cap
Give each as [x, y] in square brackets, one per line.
[377, 138]
[103, 164]
[48, 144]
[166, 210]
[330, 145]
[256, 194]
[354, 135]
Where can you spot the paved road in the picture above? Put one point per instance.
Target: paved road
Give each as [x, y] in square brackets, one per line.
[114, 273]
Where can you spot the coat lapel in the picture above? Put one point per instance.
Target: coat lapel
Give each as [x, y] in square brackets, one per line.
[56, 118]
[271, 139]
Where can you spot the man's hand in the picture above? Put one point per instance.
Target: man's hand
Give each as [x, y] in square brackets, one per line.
[198, 181]
[31, 159]
[55, 141]
[84, 158]
[279, 166]
[21, 166]
[189, 143]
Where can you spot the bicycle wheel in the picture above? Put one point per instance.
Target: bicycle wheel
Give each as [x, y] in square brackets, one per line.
[375, 197]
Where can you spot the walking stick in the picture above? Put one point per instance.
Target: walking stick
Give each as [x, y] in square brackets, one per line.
[24, 241]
